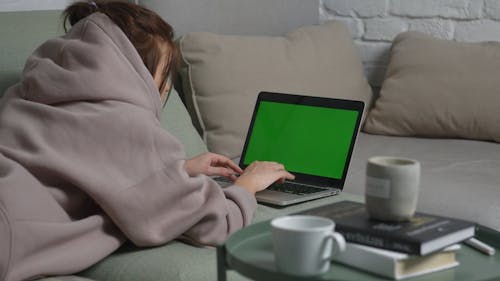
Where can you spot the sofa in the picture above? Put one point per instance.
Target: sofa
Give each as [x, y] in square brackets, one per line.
[459, 173]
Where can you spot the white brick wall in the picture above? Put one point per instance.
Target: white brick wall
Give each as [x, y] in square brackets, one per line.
[375, 23]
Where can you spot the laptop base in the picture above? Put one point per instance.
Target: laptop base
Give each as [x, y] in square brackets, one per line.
[277, 198]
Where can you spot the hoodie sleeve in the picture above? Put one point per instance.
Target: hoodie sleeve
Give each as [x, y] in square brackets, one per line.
[151, 197]
[169, 203]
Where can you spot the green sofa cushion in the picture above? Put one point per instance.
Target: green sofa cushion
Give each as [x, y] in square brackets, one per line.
[21, 33]
[177, 121]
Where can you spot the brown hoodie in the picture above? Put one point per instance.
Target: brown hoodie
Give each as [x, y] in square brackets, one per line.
[85, 164]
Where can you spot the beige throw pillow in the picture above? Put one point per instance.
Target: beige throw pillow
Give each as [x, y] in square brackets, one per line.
[222, 76]
[439, 88]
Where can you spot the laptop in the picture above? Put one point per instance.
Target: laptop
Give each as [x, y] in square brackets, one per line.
[313, 137]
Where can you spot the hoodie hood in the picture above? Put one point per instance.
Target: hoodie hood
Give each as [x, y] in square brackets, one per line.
[93, 61]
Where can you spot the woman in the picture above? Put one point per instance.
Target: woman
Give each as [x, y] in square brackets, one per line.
[84, 162]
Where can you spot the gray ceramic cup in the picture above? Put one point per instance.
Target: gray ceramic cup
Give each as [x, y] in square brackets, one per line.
[392, 188]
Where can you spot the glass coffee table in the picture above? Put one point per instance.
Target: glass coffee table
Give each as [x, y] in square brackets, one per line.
[249, 252]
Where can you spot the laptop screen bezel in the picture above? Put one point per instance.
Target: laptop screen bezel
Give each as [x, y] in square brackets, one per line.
[311, 101]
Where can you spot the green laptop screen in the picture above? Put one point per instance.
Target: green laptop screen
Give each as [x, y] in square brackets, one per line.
[306, 139]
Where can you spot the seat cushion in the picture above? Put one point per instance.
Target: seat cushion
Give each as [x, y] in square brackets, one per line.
[459, 178]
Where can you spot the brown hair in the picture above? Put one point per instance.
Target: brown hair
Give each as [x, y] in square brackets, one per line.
[147, 31]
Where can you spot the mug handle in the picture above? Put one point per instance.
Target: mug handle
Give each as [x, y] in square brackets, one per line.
[338, 244]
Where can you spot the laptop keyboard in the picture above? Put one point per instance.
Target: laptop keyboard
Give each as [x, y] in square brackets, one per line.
[287, 187]
[294, 188]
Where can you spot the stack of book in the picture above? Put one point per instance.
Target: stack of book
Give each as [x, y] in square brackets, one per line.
[426, 243]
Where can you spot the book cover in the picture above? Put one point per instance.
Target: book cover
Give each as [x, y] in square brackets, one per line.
[396, 265]
[421, 235]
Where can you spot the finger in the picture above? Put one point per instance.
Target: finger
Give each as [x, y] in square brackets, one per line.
[224, 161]
[287, 175]
[234, 167]
[233, 177]
[220, 171]
[283, 176]
[280, 166]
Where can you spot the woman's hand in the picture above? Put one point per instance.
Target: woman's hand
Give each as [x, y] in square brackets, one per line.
[259, 175]
[212, 164]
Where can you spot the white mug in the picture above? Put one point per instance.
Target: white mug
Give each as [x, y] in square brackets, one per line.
[304, 244]
[392, 188]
